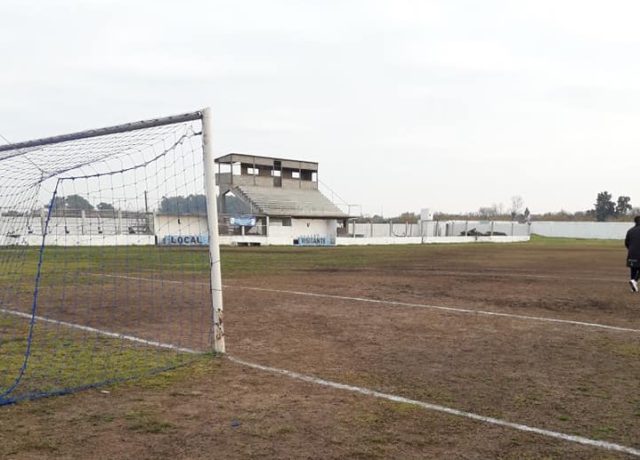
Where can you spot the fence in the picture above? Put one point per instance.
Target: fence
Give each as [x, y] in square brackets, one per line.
[76, 222]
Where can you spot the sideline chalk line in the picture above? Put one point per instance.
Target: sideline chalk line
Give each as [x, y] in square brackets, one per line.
[439, 307]
[437, 408]
[394, 302]
[103, 332]
[354, 389]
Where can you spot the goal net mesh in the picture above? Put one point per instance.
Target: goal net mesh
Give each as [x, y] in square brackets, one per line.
[89, 294]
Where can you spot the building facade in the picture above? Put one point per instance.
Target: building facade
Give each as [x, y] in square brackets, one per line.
[268, 200]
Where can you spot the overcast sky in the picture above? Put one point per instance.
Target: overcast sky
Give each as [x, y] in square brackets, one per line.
[405, 104]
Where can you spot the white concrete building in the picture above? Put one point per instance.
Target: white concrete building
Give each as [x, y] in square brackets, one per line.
[266, 200]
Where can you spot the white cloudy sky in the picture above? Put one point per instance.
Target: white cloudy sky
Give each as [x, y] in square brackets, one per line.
[405, 104]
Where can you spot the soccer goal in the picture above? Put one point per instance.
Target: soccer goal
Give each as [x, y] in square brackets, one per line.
[109, 257]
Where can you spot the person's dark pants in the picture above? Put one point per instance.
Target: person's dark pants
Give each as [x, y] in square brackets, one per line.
[635, 273]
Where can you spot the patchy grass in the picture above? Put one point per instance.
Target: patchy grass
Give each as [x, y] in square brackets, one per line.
[538, 240]
[145, 421]
[63, 359]
[66, 263]
[574, 380]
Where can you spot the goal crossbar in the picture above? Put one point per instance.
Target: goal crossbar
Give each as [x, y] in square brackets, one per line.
[122, 128]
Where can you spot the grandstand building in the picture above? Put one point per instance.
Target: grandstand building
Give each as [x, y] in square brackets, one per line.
[274, 201]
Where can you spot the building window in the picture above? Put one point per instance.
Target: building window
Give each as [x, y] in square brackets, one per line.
[286, 221]
[295, 174]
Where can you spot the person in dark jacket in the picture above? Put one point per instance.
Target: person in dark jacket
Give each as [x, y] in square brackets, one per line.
[632, 242]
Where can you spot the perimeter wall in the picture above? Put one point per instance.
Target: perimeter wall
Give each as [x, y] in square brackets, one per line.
[144, 231]
[596, 230]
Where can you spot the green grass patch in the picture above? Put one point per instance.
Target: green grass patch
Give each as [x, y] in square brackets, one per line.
[62, 264]
[146, 422]
[538, 240]
[62, 358]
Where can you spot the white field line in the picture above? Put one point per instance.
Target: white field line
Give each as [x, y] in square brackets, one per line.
[400, 304]
[447, 410]
[115, 335]
[451, 309]
[354, 389]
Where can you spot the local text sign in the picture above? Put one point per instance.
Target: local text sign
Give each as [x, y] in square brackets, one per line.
[185, 240]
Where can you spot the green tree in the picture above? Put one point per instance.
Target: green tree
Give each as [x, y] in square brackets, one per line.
[623, 206]
[407, 216]
[604, 207]
[192, 204]
[77, 202]
[102, 206]
[488, 212]
[58, 203]
[71, 202]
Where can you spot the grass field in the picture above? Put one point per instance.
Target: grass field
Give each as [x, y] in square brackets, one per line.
[543, 334]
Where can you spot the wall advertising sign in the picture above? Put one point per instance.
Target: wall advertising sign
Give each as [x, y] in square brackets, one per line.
[244, 221]
[185, 240]
[315, 240]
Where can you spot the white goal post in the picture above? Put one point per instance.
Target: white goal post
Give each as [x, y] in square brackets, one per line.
[14, 151]
[214, 240]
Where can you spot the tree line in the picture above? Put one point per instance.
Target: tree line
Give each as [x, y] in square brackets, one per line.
[78, 202]
[604, 209]
[191, 204]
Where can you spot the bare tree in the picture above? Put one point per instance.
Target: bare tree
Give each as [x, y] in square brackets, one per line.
[516, 206]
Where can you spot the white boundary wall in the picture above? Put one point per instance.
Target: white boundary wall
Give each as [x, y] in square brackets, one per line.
[80, 240]
[366, 233]
[347, 241]
[449, 228]
[261, 240]
[453, 229]
[596, 230]
[386, 240]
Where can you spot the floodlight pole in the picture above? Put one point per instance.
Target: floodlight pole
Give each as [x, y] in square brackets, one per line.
[214, 240]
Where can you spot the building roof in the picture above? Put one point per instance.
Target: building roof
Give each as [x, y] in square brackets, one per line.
[260, 160]
[288, 202]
